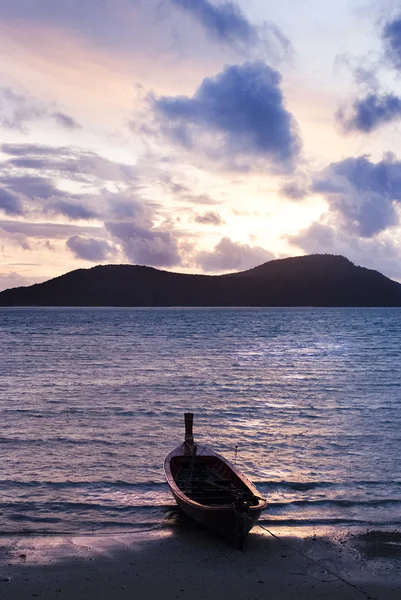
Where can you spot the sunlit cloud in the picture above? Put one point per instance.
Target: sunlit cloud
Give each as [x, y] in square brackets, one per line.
[232, 256]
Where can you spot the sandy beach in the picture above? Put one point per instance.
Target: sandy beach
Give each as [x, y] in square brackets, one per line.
[186, 562]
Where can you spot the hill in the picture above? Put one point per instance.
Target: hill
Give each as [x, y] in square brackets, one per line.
[315, 280]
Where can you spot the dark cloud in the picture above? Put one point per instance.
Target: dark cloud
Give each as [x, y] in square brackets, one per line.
[392, 41]
[209, 218]
[362, 194]
[66, 121]
[237, 114]
[47, 230]
[146, 246]
[89, 248]
[31, 149]
[370, 112]
[226, 23]
[10, 202]
[31, 186]
[33, 192]
[294, 190]
[72, 210]
[129, 209]
[232, 256]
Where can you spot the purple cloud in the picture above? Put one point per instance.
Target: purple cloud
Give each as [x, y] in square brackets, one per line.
[361, 193]
[242, 109]
[17, 110]
[10, 202]
[89, 248]
[13, 279]
[381, 253]
[146, 246]
[392, 41]
[31, 186]
[229, 256]
[227, 24]
[294, 190]
[66, 121]
[370, 113]
[209, 218]
[47, 230]
[70, 162]
[72, 210]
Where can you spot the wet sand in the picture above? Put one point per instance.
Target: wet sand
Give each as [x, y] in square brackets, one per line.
[187, 563]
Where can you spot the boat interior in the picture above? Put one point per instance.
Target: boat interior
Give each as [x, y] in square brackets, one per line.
[209, 481]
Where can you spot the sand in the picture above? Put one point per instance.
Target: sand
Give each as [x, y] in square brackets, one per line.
[185, 562]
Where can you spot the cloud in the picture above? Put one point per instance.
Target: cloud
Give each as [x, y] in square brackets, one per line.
[69, 162]
[17, 110]
[28, 149]
[362, 195]
[237, 115]
[392, 41]
[30, 171]
[382, 253]
[294, 190]
[10, 202]
[227, 24]
[66, 121]
[72, 210]
[146, 246]
[232, 256]
[13, 279]
[30, 186]
[122, 208]
[369, 113]
[209, 218]
[92, 249]
[47, 230]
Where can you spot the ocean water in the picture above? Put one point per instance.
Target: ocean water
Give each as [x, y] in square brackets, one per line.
[91, 401]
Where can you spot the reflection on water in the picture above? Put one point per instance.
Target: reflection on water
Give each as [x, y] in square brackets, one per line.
[91, 400]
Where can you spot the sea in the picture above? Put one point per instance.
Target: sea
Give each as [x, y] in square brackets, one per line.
[306, 401]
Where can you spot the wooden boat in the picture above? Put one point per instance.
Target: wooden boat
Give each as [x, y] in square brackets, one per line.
[211, 490]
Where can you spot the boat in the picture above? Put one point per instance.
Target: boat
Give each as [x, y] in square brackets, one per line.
[210, 489]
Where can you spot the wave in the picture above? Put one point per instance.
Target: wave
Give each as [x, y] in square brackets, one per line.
[149, 485]
[343, 503]
[277, 522]
[70, 507]
[311, 485]
[296, 486]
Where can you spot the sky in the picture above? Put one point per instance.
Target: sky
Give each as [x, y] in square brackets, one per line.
[198, 136]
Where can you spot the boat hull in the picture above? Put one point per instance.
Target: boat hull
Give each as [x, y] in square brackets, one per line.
[233, 521]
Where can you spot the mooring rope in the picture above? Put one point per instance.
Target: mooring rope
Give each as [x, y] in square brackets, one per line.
[318, 564]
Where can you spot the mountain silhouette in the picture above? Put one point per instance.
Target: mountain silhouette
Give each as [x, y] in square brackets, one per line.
[314, 280]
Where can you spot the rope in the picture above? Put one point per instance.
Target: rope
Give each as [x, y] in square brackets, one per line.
[318, 564]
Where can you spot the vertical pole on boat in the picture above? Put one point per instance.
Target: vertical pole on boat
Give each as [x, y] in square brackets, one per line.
[189, 419]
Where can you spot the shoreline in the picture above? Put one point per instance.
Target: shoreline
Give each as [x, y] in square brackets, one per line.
[185, 562]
